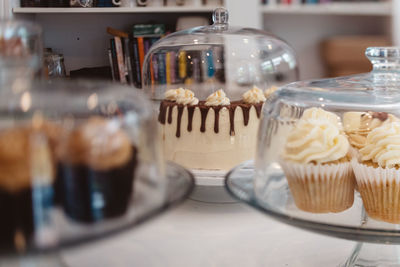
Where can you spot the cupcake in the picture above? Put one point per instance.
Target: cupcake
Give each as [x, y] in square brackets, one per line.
[25, 157]
[316, 163]
[377, 173]
[96, 170]
[357, 125]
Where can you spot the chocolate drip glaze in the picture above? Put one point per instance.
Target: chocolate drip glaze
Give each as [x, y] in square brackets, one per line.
[232, 109]
[163, 111]
[246, 114]
[190, 117]
[203, 111]
[258, 108]
[167, 106]
[170, 114]
[178, 126]
[216, 120]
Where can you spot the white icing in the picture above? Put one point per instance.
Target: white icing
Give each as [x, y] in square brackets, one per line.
[217, 98]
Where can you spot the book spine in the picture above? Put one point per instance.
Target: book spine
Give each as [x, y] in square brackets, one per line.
[151, 69]
[210, 64]
[172, 66]
[147, 44]
[114, 59]
[120, 59]
[136, 64]
[168, 67]
[111, 64]
[155, 68]
[182, 65]
[141, 51]
[161, 69]
[128, 60]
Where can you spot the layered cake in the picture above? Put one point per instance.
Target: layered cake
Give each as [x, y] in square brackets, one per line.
[95, 171]
[215, 134]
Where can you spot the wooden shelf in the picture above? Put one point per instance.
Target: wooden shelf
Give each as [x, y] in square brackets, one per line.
[107, 10]
[349, 9]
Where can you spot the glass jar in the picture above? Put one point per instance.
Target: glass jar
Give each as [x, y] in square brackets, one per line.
[211, 83]
[54, 64]
[21, 51]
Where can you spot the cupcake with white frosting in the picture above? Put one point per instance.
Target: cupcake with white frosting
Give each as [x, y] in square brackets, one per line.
[316, 163]
[377, 173]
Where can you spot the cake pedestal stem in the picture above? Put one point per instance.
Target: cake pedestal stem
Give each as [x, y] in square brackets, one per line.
[368, 254]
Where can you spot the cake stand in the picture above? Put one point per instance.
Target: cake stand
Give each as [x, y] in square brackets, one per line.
[64, 233]
[210, 187]
[378, 242]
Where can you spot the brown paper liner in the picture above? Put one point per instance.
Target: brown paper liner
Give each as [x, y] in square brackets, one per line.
[321, 188]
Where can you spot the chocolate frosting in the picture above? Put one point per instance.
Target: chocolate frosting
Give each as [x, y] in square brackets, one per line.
[167, 106]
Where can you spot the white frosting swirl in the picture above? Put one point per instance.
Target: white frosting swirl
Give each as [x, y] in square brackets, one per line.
[317, 138]
[254, 96]
[187, 98]
[217, 98]
[174, 94]
[270, 91]
[320, 114]
[383, 145]
[181, 96]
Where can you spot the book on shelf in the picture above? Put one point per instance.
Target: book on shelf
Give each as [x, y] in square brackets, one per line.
[127, 53]
[114, 61]
[120, 59]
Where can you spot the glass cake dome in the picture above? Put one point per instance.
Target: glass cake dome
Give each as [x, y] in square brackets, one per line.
[78, 161]
[328, 158]
[212, 82]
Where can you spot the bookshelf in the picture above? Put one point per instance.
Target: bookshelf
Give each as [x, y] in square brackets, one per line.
[338, 8]
[79, 33]
[113, 10]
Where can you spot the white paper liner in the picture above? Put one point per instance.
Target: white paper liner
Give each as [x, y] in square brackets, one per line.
[320, 187]
[380, 191]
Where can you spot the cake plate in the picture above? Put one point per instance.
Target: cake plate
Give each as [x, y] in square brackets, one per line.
[64, 233]
[378, 242]
[210, 187]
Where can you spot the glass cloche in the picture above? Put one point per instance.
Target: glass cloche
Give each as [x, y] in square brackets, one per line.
[328, 159]
[211, 83]
[78, 161]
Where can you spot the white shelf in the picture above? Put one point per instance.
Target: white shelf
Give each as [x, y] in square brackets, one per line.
[105, 10]
[352, 9]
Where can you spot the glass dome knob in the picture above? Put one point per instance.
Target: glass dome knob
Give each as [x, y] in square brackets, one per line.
[220, 16]
[384, 58]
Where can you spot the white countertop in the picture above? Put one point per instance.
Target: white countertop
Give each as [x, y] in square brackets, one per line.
[203, 234]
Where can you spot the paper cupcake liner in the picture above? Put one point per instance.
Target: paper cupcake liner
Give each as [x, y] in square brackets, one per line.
[380, 191]
[321, 188]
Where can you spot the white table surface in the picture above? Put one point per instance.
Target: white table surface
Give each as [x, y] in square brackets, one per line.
[203, 234]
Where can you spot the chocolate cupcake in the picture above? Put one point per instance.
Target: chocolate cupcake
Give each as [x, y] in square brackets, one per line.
[22, 156]
[96, 170]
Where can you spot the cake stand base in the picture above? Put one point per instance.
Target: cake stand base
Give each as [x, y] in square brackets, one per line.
[45, 260]
[371, 255]
[210, 187]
